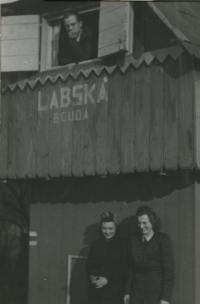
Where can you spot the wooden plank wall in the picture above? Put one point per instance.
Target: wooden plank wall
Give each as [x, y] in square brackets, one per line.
[20, 43]
[115, 28]
[197, 241]
[197, 116]
[66, 218]
[144, 120]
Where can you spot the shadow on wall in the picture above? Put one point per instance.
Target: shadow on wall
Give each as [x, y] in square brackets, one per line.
[78, 283]
[120, 188]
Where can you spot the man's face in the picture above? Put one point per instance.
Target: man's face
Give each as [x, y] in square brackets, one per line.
[108, 229]
[73, 26]
[145, 225]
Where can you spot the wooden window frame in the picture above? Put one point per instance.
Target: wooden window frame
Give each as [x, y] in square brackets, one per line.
[69, 271]
[47, 38]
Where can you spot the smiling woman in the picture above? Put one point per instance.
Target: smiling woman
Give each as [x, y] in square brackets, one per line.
[108, 230]
[152, 273]
[107, 264]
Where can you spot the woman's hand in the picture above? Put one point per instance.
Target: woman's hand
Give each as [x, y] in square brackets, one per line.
[100, 282]
[126, 299]
[163, 302]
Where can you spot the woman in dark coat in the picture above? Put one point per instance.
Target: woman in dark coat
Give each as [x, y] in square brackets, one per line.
[151, 278]
[107, 265]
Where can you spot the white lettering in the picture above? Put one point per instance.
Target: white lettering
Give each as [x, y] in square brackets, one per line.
[56, 117]
[54, 101]
[88, 94]
[40, 107]
[85, 116]
[78, 95]
[102, 94]
[72, 116]
[65, 95]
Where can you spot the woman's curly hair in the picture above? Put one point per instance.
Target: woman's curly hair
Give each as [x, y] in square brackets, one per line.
[153, 218]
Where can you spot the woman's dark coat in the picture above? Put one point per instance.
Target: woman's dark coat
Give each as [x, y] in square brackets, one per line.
[151, 277]
[109, 259]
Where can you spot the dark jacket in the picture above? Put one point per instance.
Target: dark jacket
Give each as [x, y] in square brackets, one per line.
[109, 259]
[72, 51]
[152, 267]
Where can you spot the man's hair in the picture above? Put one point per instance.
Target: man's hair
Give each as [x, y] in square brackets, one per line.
[153, 218]
[72, 13]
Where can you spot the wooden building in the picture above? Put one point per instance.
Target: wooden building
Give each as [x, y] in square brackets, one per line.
[108, 134]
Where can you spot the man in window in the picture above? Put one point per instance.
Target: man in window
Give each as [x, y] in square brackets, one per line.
[75, 41]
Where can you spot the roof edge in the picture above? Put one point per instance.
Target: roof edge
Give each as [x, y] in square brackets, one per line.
[162, 17]
[147, 58]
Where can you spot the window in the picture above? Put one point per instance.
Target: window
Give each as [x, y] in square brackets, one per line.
[112, 26]
[30, 42]
[90, 20]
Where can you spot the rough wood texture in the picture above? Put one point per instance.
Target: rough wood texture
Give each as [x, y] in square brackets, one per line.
[20, 43]
[114, 28]
[43, 135]
[136, 120]
[20, 63]
[66, 139]
[183, 19]
[77, 139]
[89, 138]
[170, 104]
[19, 47]
[32, 134]
[197, 116]
[54, 133]
[23, 19]
[128, 116]
[4, 136]
[114, 123]
[22, 134]
[101, 131]
[197, 242]
[186, 116]
[12, 136]
[142, 119]
[156, 118]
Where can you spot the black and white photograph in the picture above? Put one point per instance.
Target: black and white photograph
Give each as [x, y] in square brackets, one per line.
[100, 152]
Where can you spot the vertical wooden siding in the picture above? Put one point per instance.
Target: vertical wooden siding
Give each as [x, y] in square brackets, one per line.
[197, 116]
[61, 231]
[197, 242]
[146, 123]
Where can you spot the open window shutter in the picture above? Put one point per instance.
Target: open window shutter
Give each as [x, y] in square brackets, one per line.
[46, 46]
[55, 42]
[20, 43]
[115, 28]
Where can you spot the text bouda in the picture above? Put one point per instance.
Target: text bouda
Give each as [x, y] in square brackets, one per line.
[69, 98]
